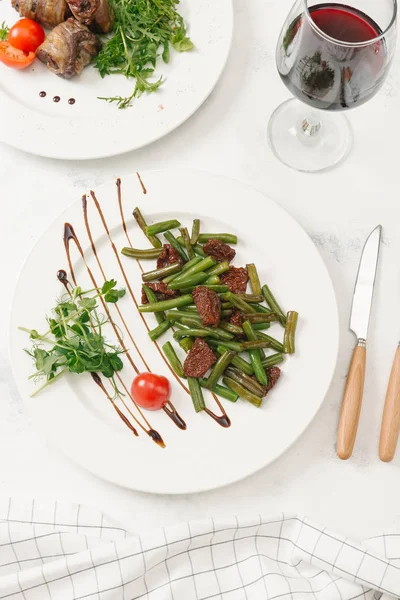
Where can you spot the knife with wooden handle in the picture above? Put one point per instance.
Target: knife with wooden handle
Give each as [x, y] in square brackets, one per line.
[360, 312]
[391, 414]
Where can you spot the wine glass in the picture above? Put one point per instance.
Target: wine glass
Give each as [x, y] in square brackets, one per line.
[332, 57]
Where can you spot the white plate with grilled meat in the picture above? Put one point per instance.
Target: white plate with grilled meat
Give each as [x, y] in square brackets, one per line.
[80, 126]
[75, 415]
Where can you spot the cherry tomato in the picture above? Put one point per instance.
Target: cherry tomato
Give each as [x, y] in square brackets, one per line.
[14, 58]
[26, 35]
[151, 391]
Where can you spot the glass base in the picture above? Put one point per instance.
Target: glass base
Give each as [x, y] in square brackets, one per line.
[309, 140]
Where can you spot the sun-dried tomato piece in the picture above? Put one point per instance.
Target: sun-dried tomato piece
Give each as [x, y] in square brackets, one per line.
[219, 250]
[208, 305]
[168, 256]
[199, 359]
[236, 279]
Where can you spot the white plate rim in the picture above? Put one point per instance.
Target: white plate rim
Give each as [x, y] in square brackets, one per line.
[144, 174]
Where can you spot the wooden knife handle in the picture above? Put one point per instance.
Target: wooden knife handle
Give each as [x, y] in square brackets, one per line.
[352, 400]
[391, 414]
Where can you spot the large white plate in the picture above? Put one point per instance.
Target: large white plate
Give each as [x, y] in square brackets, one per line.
[93, 129]
[75, 415]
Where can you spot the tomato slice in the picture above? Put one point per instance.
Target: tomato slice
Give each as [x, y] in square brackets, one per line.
[151, 391]
[26, 35]
[14, 58]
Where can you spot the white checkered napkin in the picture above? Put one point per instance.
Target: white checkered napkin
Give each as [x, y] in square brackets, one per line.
[58, 552]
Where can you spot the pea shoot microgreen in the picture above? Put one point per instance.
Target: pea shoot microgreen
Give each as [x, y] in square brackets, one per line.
[74, 341]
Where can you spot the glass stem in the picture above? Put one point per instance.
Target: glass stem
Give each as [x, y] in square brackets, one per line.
[311, 124]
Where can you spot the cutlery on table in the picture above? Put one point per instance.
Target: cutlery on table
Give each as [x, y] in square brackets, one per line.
[391, 413]
[359, 320]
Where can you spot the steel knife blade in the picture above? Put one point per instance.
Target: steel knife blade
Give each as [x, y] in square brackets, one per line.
[364, 287]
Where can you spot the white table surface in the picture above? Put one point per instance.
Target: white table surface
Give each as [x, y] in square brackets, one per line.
[338, 209]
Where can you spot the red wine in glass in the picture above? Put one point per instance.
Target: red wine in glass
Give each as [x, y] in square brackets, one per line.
[339, 69]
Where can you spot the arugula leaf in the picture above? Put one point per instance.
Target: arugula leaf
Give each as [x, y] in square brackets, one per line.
[4, 29]
[143, 31]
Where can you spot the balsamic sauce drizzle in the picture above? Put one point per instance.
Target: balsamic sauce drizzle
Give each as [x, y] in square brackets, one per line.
[172, 413]
[71, 101]
[94, 250]
[141, 183]
[121, 211]
[42, 94]
[222, 419]
[96, 378]
[56, 99]
[69, 234]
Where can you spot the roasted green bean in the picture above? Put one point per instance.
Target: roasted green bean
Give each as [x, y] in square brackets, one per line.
[155, 333]
[237, 361]
[216, 332]
[167, 304]
[228, 238]
[185, 268]
[254, 279]
[272, 360]
[196, 332]
[261, 326]
[220, 390]
[198, 248]
[192, 281]
[199, 267]
[273, 304]
[243, 393]
[222, 363]
[252, 298]
[186, 239]
[290, 332]
[246, 381]
[255, 357]
[195, 232]
[162, 226]
[158, 274]
[171, 239]
[220, 268]
[277, 346]
[173, 359]
[236, 301]
[153, 239]
[231, 328]
[135, 253]
[186, 343]
[152, 299]
[213, 280]
[196, 394]
[262, 317]
[176, 315]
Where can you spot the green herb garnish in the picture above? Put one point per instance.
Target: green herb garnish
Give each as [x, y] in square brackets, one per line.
[143, 31]
[74, 341]
[4, 29]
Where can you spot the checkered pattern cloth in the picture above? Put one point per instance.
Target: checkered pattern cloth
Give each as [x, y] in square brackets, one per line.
[59, 552]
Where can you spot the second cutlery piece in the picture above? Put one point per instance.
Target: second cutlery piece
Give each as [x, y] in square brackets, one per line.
[391, 414]
[360, 312]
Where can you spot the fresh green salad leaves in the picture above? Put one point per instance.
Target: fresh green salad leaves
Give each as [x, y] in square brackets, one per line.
[143, 31]
[4, 29]
[74, 341]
